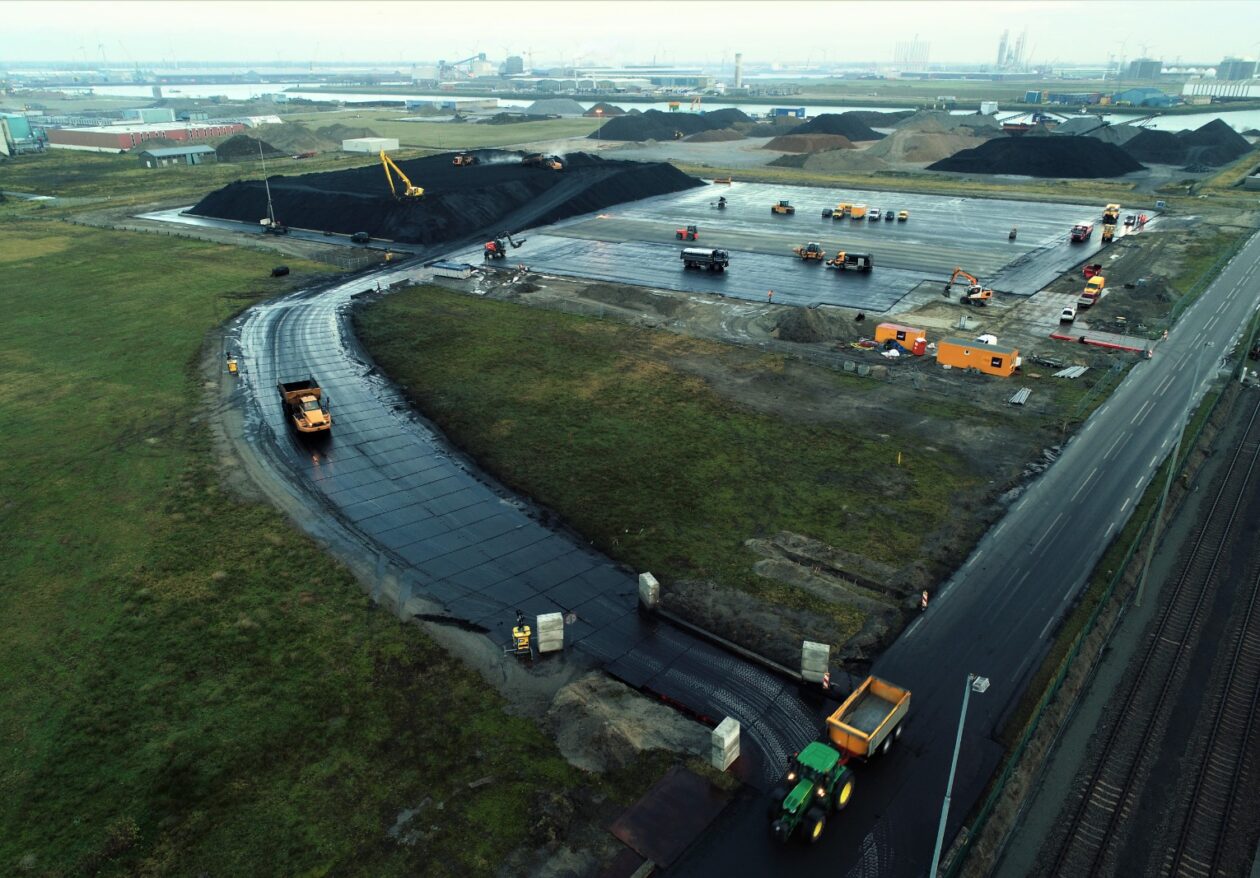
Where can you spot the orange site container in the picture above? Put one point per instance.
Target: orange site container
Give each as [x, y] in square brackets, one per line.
[909, 337]
[991, 359]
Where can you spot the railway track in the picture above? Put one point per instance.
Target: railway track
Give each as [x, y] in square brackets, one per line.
[1112, 787]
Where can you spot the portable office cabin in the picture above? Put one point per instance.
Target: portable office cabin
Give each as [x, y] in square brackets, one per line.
[909, 337]
[992, 359]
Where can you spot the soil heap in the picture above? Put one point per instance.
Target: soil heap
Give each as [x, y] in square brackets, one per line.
[809, 143]
[726, 118]
[506, 119]
[654, 125]
[939, 120]
[555, 107]
[773, 128]
[1159, 147]
[294, 137]
[876, 119]
[460, 204]
[843, 124]
[1064, 157]
[714, 135]
[243, 148]
[922, 147]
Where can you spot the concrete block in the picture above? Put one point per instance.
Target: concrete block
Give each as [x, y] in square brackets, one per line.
[724, 744]
[815, 660]
[649, 591]
[863, 369]
[850, 366]
[550, 632]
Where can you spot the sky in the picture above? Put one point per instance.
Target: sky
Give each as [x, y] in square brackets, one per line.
[596, 32]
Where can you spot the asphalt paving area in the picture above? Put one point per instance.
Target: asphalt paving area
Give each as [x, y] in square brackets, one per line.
[636, 243]
[458, 539]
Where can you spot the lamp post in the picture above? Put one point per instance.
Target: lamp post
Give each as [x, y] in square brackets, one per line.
[979, 685]
[1172, 468]
[599, 114]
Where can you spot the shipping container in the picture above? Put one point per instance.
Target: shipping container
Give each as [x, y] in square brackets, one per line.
[909, 337]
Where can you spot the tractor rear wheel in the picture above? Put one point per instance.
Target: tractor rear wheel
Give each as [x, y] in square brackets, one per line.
[843, 793]
[815, 823]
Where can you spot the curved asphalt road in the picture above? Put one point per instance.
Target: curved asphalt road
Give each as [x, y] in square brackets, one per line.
[467, 543]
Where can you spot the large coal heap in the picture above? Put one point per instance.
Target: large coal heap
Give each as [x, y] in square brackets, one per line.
[495, 194]
[1213, 144]
[1031, 156]
[850, 125]
[655, 125]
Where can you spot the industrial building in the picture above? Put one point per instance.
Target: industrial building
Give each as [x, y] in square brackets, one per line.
[1235, 70]
[1144, 97]
[369, 144]
[149, 115]
[117, 138]
[1144, 68]
[178, 155]
[961, 353]
[1248, 89]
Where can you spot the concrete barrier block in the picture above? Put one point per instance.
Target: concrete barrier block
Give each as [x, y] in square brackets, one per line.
[649, 591]
[815, 660]
[550, 632]
[724, 744]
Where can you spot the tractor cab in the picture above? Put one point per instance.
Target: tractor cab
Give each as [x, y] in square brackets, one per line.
[817, 783]
[690, 233]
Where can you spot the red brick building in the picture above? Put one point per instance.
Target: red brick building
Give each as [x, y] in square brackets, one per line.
[117, 138]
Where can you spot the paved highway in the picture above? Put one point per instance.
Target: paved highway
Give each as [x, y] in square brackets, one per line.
[997, 615]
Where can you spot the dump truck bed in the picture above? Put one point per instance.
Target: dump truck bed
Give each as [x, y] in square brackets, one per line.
[868, 716]
[295, 390]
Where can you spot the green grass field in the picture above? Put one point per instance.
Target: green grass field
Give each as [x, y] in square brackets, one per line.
[190, 685]
[590, 418]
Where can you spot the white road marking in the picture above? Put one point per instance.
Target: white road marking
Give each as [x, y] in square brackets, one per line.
[913, 626]
[1047, 531]
[1154, 457]
[1211, 322]
[997, 530]
[1110, 528]
[1042, 635]
[1127, 501]
[1137, 484]
[1113, 446]
[1163, 385]
[1141, 412]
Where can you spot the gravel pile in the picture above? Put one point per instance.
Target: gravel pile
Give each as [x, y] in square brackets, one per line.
[1031, 156]
[555, 107]
[1214, 144]
[809, 143]
[606, 110]
[921, 147]
[243, 148]
[939, 120]
[715, 135]
[844, 124]
[460, 204]
[835, 161]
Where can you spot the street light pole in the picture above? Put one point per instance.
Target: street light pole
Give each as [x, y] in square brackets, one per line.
[1163, 497]
[979, 685]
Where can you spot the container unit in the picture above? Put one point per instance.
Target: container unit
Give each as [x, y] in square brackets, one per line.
[991, 359]
[909, 337]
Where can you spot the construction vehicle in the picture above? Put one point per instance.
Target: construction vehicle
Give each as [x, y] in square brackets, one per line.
[852, 261]
[721, 202]
[306, 405]
[1111, 214]
[270, 225]
[903, 215]
[464, 159]
[1090, 270]
[857, 212]
[1014, 233]
[497, 249]
[976, 293]
[538, 160]
[1108, 233]
[841, 210]
[1130, 221]
[725, 181]
[688, 234]
[1094, 289]
[710, 260]
[811, 252]
[360, 238]
[1082, 232]
[407, 188]
[783, 207]
[818, 783]
[869, 720]
[522, 642]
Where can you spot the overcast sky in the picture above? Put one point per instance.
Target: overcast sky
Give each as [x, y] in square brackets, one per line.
[608, 32]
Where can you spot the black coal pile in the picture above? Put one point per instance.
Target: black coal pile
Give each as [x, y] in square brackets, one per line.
[1157, 147]
[876, 119]
[1042, 157]
[243, 148]
[655, 125]
[726, 118]
[1214, 144]
[459, 203]
[845, 124]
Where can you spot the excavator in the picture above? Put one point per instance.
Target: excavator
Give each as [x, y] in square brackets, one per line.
[497, 249]
[975, 295]
[408, 190]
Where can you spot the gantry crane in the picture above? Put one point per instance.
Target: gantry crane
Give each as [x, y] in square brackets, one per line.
[408, 190]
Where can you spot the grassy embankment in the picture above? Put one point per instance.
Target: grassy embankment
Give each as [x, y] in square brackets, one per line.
[595, 420]
[190, 686]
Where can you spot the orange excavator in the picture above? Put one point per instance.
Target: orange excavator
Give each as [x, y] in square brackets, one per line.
[975, 295]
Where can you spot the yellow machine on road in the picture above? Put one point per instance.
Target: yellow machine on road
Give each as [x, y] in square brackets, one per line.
[408, 190]
[975, 295]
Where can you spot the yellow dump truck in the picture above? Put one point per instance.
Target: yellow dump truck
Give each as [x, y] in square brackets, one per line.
[870, 719]
[306, 405]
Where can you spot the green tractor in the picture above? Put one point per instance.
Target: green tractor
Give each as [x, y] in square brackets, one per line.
[818, 784]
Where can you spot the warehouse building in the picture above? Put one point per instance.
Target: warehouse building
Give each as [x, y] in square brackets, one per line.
[1143, 97]
[991, 359]
[117, 138]
[1235, 70]
[149, 115]
[369, 144]
[1247, 89]
[178, 155]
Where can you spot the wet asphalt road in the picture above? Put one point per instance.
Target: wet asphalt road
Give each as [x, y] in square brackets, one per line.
[467, 543]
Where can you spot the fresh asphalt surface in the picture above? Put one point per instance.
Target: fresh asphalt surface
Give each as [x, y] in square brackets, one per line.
[997, 615]
[636, 243]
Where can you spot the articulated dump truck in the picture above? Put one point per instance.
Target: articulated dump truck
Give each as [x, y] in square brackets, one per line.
[306, 405]
[819, 782]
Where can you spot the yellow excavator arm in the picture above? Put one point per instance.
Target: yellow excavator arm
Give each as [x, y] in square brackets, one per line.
[408, 190]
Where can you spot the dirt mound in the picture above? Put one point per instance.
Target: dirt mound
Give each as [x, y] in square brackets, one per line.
[243, 148]
[461, 204]
[294, 137]
[654, 125]
[805, 325]
[809, 143]
[844, 124]
[715, 135]
[605, 110]
[726, 118]
[555, 107]
[506, 119]
[1214, 144]
[876, 119]
[1116, 134]
[923, 146]
[334, 134]
[840, 160]
[773, 128]
[1160, 147]
[1074, 157]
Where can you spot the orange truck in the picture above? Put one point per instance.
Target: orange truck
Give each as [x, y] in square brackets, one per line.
[306, 405]
[870, 719]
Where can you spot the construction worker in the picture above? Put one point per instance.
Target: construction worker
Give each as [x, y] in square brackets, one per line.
[770, 296]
